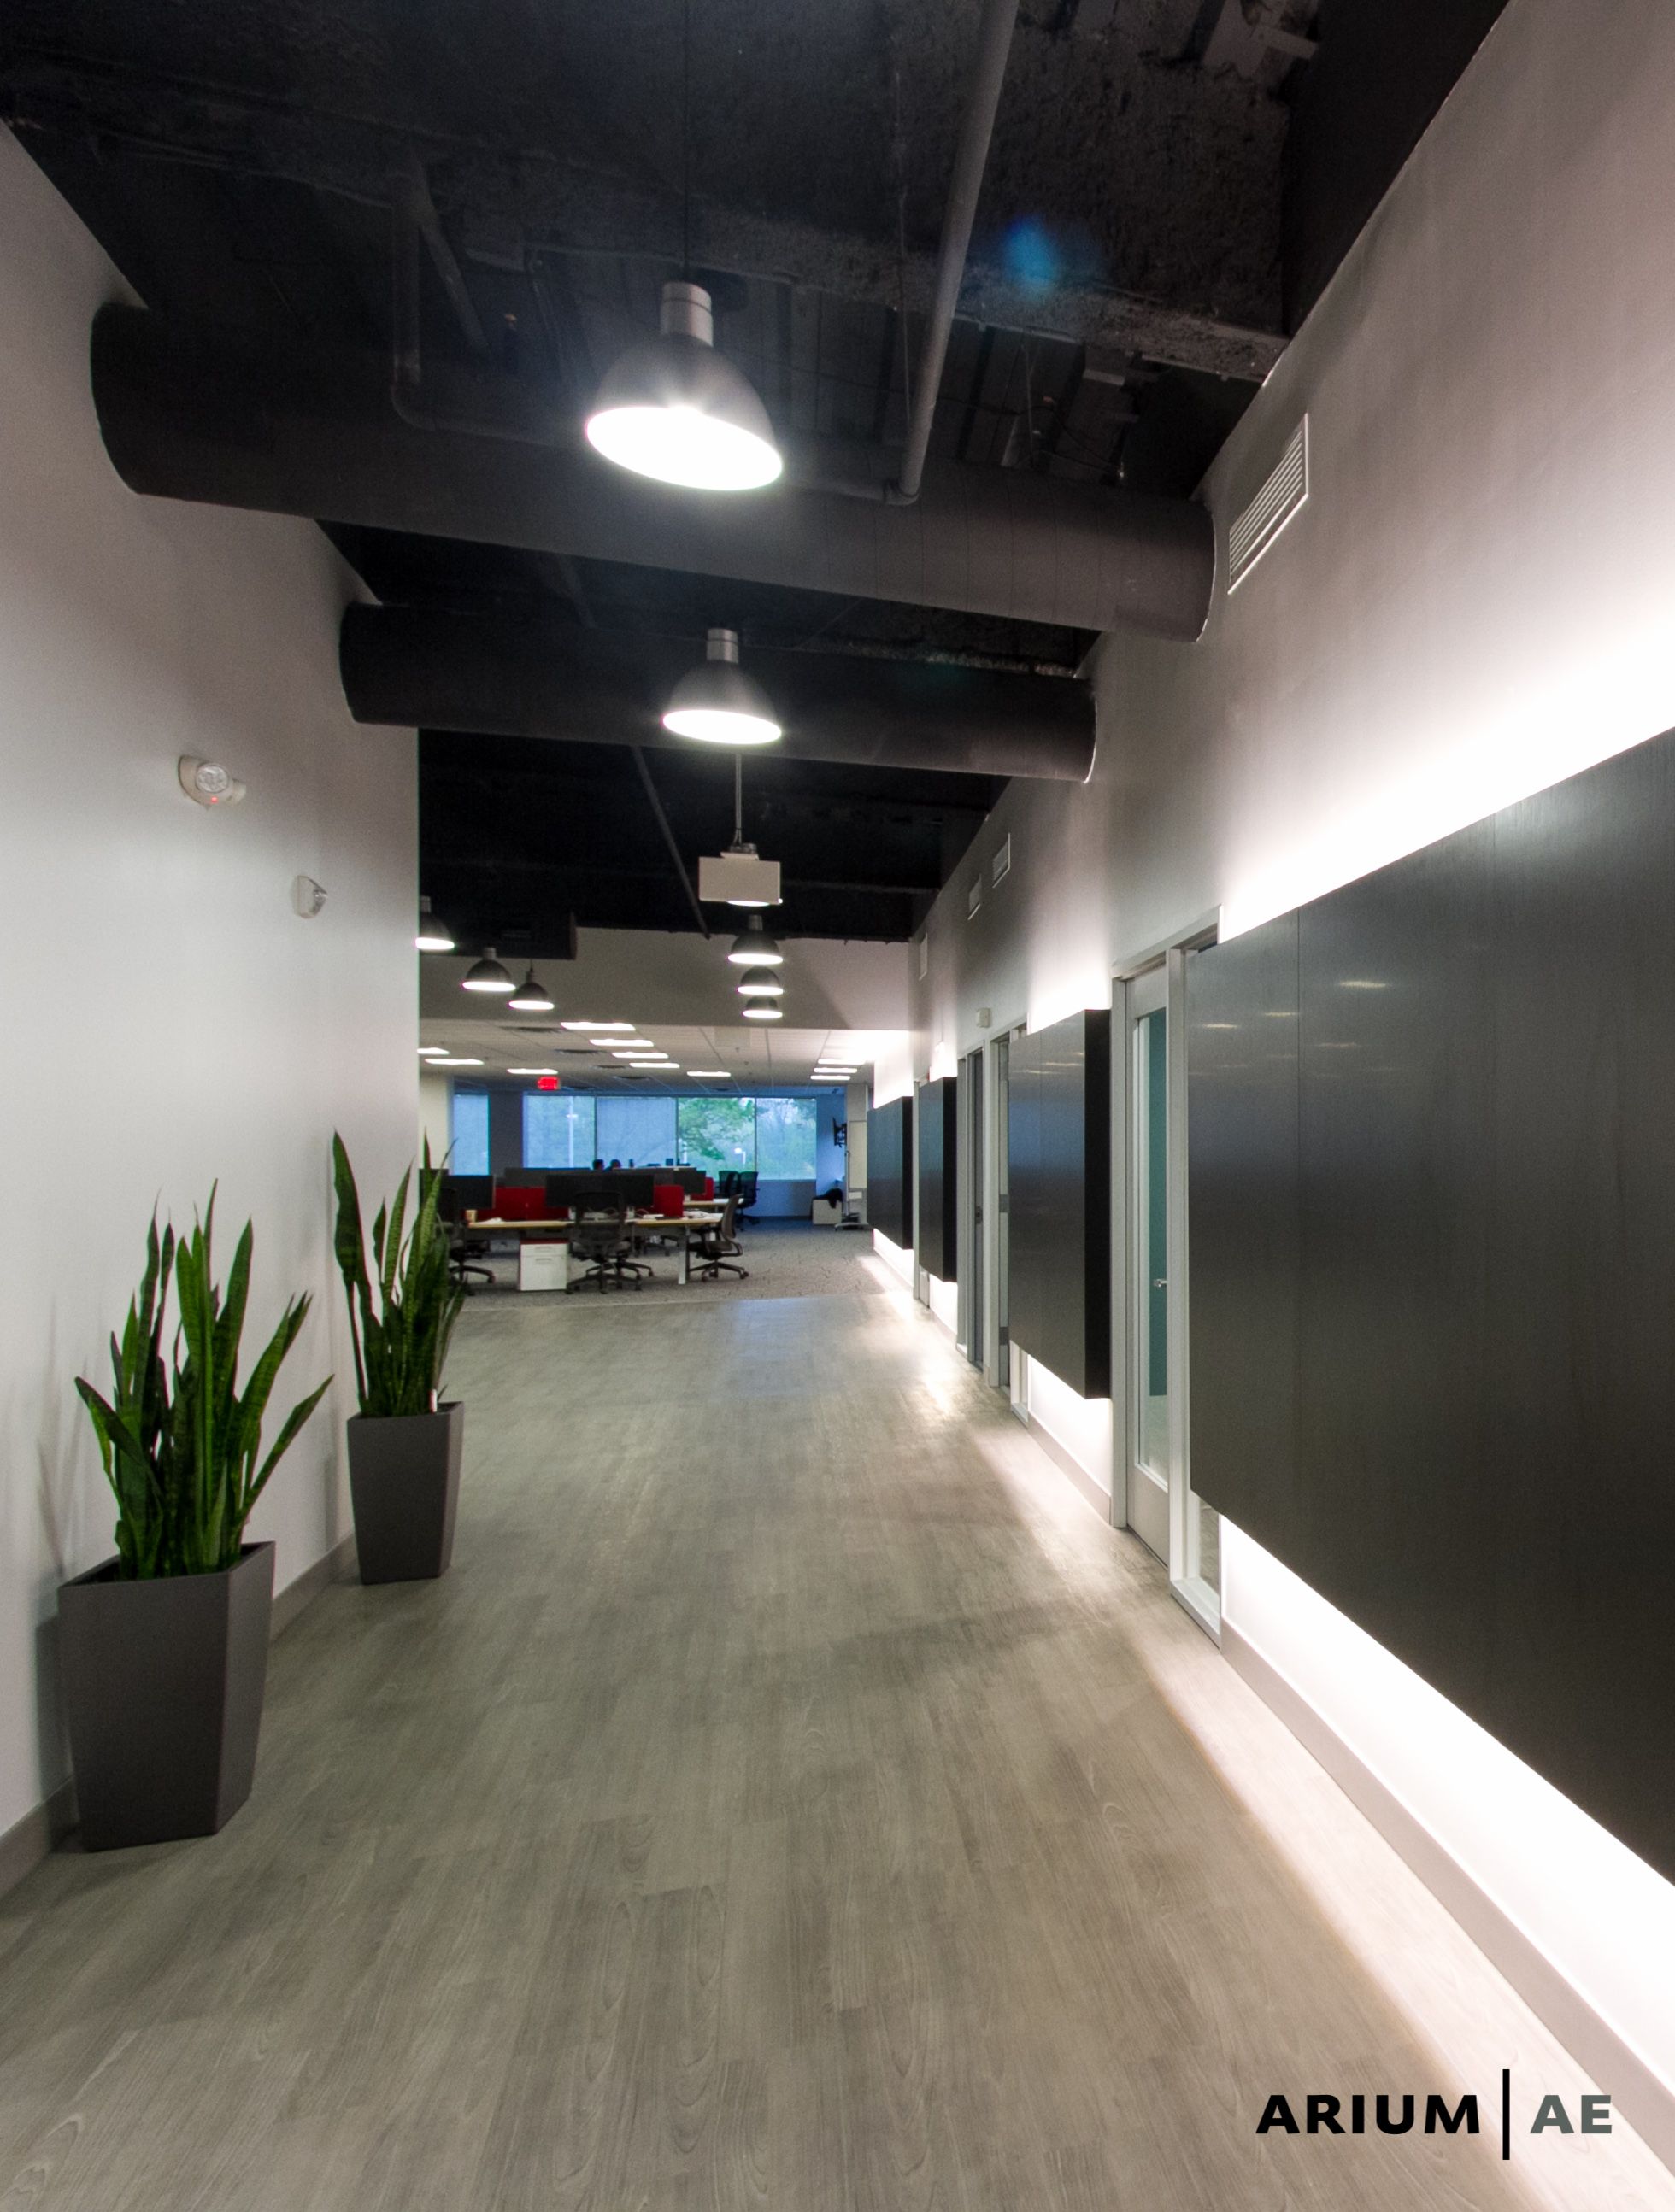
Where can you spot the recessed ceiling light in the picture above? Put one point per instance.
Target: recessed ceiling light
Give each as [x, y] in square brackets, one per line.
[706, 1071]
[623, 1029]
[453, 1062]
[431, 1051]
[632, 1051]
[531, 1070]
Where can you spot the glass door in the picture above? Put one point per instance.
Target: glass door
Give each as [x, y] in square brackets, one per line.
[1151, 1447]
[1162, 1508]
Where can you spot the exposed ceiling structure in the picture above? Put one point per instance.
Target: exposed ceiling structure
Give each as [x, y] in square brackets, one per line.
[1169, 185]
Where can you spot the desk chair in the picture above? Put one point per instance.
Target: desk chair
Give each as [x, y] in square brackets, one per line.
[709, 1260]
[599, 1236]
[462, 1242]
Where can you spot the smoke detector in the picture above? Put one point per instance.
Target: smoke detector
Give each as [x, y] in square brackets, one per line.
[207, 783]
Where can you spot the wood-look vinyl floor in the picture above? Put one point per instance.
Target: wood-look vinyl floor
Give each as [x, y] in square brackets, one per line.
[794, 1799]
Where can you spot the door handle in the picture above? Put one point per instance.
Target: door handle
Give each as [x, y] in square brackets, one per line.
[1159, 1282]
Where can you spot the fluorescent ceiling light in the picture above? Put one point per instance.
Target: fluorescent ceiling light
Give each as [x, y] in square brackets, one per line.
[431, 1051]
[489, 976]
[673, 409]
[623, 1029]
[631, 1051]
[717, 703]
[695, 1071]
[453, 1062]
[531, 1070]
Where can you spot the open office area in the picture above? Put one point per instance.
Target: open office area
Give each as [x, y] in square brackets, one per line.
[858, 1394]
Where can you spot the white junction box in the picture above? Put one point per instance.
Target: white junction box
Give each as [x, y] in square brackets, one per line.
[544, 1266]
[738, 879]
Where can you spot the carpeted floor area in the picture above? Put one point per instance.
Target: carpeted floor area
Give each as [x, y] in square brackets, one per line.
[786, 1259]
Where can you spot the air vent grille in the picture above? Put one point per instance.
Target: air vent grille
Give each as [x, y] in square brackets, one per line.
[1284, 492]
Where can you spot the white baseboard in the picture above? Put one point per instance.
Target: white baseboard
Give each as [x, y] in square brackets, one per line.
[28, 1841]
[1067, 1463]
[1643, 2100]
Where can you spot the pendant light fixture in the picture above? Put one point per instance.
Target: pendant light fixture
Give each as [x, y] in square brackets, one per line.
[762, 1010]
[530, 997]
[433, 934]
[760, 983]
[717, 703]
[488, 976]
[753, 948]
[673, 408]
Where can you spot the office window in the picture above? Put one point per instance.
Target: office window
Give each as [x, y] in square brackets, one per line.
[716, 1134]
[557, 1129]
[470, 1154]
[638, 1132]
[785, 1130]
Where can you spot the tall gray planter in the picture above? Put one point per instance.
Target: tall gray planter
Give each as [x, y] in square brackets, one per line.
[403, 1476]
[163, 1683]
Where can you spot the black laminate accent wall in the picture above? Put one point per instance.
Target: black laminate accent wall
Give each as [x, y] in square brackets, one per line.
[1432, 1222]
[1058, 1206]
[890, 1171]
[938, 1125]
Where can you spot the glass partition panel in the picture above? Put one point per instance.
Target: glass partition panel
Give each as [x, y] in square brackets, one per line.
[557, 1129]
[470, 1152]
[636, 1132]
[718, 1133]
[785, 1129]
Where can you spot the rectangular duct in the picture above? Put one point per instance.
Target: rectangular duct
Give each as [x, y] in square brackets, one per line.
[1283, 493]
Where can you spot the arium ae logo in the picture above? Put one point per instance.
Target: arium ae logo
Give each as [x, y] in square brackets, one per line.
[1427, 2112]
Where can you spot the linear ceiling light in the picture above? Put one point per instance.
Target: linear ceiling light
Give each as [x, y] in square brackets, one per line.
[717, 703]
[530, 997]
[433, 934]
[489, 976]
[674, 409]
[432, 1051]
[453, 1062]
[623, 1029]
[753, 948]
[695, 1071]
[531, 1070]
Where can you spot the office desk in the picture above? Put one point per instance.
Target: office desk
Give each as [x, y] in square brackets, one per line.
[638, 1225]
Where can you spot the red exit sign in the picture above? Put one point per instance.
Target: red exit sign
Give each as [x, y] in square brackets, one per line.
[546, 1083]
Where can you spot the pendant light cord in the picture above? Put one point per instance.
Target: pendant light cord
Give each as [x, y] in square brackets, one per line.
[686, 140]
[738, 799]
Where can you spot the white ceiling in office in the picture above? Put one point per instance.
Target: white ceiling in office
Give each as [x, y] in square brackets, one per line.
[756, 1056]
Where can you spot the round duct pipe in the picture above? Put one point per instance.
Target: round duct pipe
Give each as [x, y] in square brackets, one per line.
[501, 676]
[234, 428]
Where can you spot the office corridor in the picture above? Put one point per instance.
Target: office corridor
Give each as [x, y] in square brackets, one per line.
[794, 1798]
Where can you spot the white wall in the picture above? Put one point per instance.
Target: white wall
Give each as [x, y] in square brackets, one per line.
[168, 1018]
[1476, 602]
[436, 1115]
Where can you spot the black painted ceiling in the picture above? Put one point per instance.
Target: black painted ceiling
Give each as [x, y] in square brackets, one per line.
[1171, 180]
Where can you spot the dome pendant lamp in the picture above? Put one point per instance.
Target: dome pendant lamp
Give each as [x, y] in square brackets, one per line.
[760, 983]
[673, 409]
[530, 997]
[717, 703]
[487, 975]
[433, 934]
[753, 948]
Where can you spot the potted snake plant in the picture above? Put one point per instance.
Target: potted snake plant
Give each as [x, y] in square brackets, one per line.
[404, 1444]
[163, 1649]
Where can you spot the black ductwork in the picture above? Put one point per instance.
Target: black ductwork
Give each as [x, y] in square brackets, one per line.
[234, 427]
[502, 677]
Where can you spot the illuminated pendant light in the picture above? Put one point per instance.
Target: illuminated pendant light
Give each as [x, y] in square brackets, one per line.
[530, 997]
[433, 934]
[760, 983]
[762, 1010]
[674, 409]
[753, 948]
[717, 703]
[487, 975]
